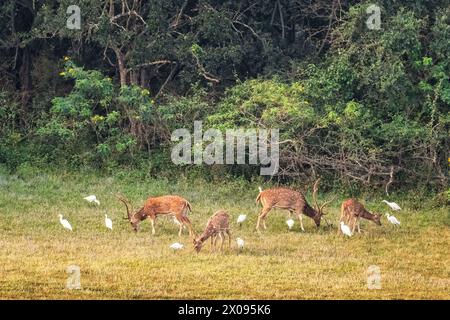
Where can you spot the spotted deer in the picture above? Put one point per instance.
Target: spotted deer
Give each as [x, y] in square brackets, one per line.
[291, 200]
[217, 226]
[155, 206]
[352, 210]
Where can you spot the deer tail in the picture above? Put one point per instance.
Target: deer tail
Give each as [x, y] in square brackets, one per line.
[188, 206]
[258, 198]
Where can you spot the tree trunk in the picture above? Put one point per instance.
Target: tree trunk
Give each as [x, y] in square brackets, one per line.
[25, 78]
[122, 69]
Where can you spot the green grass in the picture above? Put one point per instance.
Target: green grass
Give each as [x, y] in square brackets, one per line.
[35, 250]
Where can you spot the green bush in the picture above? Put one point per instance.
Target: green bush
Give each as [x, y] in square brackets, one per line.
[94, 123]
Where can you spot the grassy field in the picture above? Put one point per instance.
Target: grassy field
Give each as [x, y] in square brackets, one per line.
[35, 250]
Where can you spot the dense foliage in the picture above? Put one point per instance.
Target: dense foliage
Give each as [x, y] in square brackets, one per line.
[361, 107]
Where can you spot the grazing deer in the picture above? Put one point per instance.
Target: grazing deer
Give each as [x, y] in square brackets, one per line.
[153, 207]
[217, 226]
[294, 201]
[352, 210]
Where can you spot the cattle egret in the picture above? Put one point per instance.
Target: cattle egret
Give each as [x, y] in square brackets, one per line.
[91, 199]
[108, 222]
[392, 219]
[290, 223]
[392, 205]
[345, 229]
[240, 243]
[176, 246]
[65, 223]
[260, 189]
[241, 218]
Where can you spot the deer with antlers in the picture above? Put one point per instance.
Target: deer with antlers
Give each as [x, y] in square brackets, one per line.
[155, 206]
[216, 227]
[351, 212]
[291, 200]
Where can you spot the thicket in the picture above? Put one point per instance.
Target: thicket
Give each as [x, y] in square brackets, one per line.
[361, 107]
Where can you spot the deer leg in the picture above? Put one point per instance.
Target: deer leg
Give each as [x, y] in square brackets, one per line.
[301, 222]
[221, 235]
[152, 221]
[229, 238]
[188, 223]
[359, 229]
[180, 230]
[300, 217]
[340, 219]
[215, 241]
[211, 249]
[355, 220]
[262, 216]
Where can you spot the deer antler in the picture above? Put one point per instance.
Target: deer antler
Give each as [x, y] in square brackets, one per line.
[326, 203]
[314, 195]
[126, 203]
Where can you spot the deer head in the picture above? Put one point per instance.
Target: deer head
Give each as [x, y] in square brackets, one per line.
[377, 218]
[197, 245]
[319, 209]
[135, 217]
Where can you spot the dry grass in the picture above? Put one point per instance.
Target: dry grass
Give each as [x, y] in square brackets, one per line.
[35, 251]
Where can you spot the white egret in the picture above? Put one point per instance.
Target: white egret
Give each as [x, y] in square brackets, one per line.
[108, 222]
[92, 198]
[176, 246]
[290, 223]
[392, 205]
[240, 243]
[345, 229]
[65, 223]
[392, 219]
[241, 218]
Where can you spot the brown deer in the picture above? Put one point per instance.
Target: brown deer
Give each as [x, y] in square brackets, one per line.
[352, 210]
[217, 226]
[155, 206]
[291, 200]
